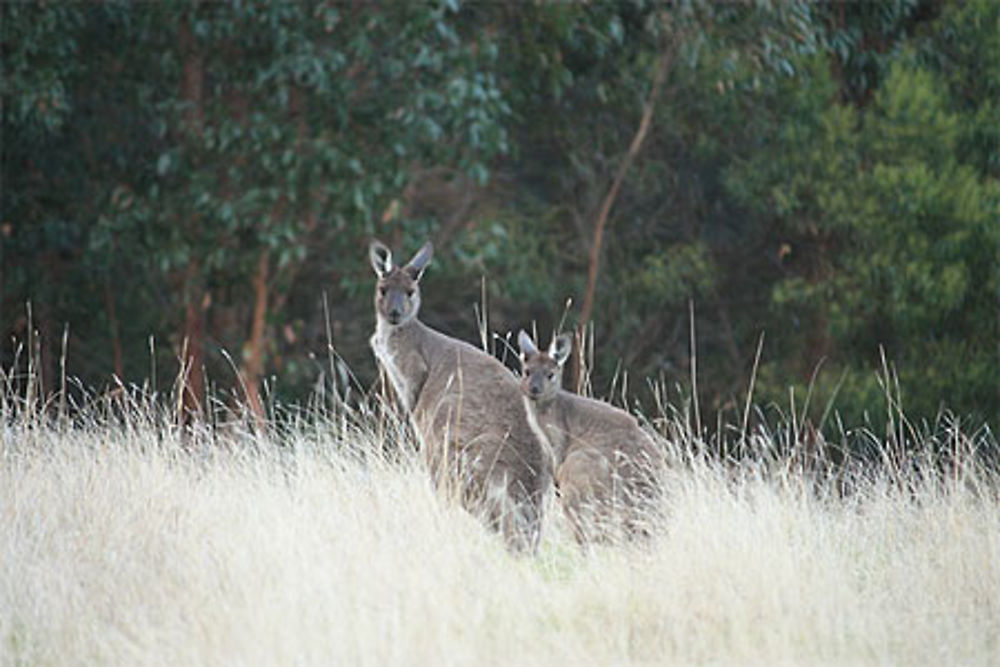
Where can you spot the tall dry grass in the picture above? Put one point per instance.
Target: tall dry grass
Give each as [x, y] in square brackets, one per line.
[125, 539]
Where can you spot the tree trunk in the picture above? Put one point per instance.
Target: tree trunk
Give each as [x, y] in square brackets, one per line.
[46, 333]
[818, 338]
[194, 295]
[116, 342]
[254, 353]
[51, 270]
[192, 82]
[193, 347]
[659, 74]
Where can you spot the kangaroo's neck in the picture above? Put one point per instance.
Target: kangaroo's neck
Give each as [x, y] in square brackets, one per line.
[400, 351]
[548, 421]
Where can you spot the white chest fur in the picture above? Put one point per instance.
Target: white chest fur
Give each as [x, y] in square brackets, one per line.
[388, 357]
[540, 433]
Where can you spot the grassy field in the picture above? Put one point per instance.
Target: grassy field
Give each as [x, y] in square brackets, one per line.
[127, 544]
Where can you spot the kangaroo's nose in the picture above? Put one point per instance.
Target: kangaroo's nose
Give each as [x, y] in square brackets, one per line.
[394, 315]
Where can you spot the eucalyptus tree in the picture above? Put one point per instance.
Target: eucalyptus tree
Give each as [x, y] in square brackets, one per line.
[170, 169]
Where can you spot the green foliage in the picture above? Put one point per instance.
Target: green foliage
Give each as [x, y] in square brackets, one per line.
[40, 55]
[671, 277]
[900, 235]
[826, 173]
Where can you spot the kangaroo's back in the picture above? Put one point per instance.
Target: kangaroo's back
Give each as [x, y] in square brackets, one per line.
[598, 424]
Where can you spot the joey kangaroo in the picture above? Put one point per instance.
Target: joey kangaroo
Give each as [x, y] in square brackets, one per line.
[607, 468]
[464, 405]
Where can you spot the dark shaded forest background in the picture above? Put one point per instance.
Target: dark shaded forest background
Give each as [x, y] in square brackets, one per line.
[197, 183]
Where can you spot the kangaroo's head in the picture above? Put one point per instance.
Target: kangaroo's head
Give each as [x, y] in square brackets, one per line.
[397, 293]
[541, 372]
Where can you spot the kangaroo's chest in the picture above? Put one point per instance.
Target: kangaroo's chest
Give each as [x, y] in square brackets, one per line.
[551, 437]
[391, 355]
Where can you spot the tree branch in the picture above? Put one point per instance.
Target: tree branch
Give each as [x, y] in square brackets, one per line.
[659, 74]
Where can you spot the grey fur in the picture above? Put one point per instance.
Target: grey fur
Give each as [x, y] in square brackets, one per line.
[465, 407]
[608, 470]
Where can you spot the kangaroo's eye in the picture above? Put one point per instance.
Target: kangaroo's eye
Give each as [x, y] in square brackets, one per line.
[551, 375]
[382, 291]
[409, 292]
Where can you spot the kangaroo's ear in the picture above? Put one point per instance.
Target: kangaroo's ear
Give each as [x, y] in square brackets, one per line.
[420, 261]
[527, 345]
[560, 348]
[381, 258]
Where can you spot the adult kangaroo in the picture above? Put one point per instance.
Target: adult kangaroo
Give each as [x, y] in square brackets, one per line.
[464, 405]
[608, 470]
